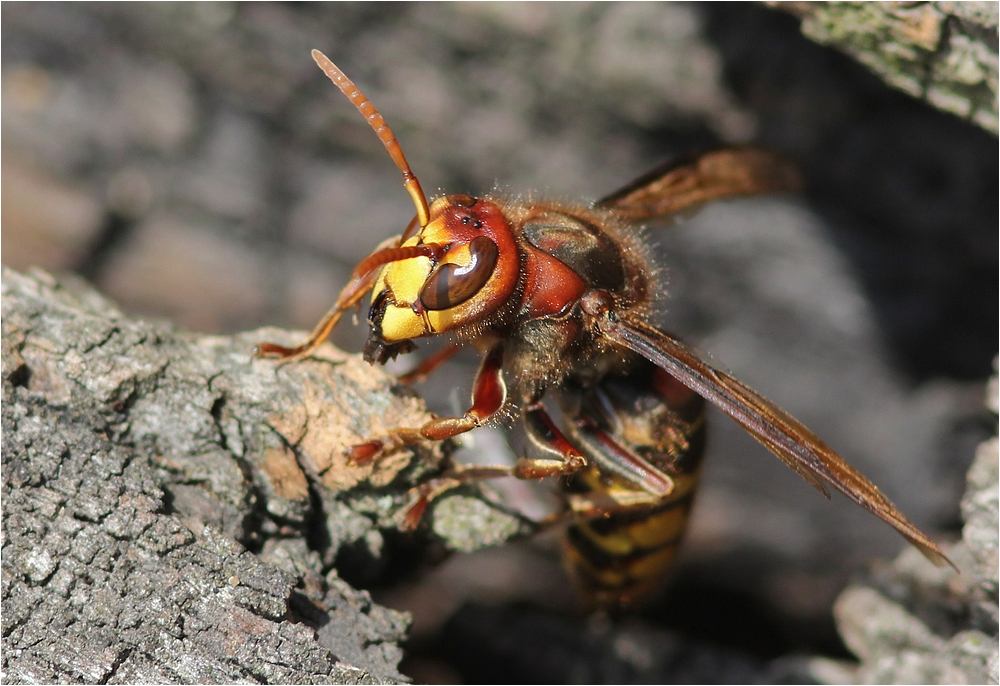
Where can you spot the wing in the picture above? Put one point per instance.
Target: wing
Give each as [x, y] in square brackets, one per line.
[690, 182]
[781, 433]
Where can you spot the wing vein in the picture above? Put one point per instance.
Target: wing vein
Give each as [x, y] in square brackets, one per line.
[776, 429]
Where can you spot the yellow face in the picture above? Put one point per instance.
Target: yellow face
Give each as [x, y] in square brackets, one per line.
[405, 279]
[476, 272]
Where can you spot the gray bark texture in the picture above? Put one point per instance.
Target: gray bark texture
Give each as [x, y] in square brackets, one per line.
[912, 623]
[942, 52]
[172, 510]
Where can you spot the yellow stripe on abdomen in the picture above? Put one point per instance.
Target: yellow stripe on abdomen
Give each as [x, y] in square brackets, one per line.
[621, 558]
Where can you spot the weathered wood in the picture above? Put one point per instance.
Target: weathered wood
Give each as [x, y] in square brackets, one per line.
[172, 510]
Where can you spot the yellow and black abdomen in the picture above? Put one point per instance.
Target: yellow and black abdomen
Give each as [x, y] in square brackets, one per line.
[626, 537]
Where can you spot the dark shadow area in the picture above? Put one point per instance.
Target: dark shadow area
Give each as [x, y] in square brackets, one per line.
[115, 230]
[910, 192]
[693, 606]
[520, 645]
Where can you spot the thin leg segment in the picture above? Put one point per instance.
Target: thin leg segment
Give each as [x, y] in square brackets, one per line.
[489, 394]
[427, 366]
[560, 456]
[546, 439]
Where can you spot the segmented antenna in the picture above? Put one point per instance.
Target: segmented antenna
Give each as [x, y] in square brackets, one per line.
[382, 130]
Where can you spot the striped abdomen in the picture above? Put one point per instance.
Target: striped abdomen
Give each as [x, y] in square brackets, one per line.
[623, 545]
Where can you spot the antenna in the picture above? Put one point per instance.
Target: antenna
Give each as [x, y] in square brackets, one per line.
[382, 130]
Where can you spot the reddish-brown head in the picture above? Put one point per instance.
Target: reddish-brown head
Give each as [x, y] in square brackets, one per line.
[471, 273]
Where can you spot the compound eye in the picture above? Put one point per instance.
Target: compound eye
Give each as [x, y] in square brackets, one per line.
[452, 284]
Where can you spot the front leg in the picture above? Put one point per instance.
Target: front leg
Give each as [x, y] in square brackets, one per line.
[489, 393]
[362, 280]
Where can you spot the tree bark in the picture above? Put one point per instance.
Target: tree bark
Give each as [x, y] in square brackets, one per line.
[912, 623]
[942, 52]
[173, 510]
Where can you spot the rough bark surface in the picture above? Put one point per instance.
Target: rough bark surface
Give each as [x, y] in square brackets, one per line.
[942, 52]
[192, 161]
[173, 512]
[912, 623]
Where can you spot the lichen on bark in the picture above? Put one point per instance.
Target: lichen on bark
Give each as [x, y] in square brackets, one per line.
[941, 52]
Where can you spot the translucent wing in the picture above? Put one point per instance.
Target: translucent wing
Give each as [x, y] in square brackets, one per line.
[781, 433]
[689, 182]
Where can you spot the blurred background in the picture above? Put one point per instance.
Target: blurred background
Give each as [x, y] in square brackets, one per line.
[192, 161]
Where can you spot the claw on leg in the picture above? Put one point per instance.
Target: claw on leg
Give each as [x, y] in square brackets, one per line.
[422, 496]
[364, 453]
